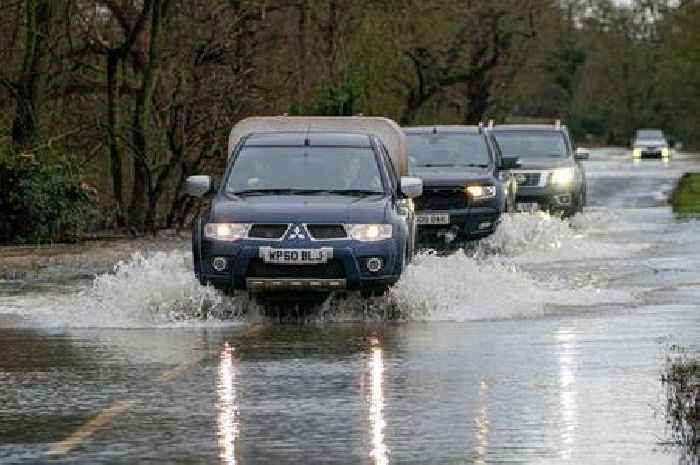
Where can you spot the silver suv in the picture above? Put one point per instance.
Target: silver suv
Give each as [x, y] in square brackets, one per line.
[551, 176]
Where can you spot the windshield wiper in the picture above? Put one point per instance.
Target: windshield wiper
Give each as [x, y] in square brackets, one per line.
[264, 191]
[354, 192]
[447, 165]
[307, 192]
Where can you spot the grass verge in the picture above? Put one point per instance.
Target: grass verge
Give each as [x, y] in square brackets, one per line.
[686, 197]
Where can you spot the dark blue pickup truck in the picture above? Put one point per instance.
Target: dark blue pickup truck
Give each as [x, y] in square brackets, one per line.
[315, 209]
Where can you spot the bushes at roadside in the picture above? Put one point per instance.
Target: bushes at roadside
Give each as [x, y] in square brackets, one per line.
[686, 196]
[41, 202]
[682, 380]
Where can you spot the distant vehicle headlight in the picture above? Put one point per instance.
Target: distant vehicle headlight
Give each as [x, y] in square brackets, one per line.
[226, 231]
[563, 176]
[370, 232]
[481, 192]
[665, 152]
[637, 152]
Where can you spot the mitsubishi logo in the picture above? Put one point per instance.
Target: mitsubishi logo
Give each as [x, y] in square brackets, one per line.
[296, 234]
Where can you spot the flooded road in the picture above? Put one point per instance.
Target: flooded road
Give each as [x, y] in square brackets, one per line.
[543, 345]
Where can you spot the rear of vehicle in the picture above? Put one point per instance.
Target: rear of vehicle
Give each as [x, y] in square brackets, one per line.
[650, 143]
[551, 177]
[305, 211]
[462, 196]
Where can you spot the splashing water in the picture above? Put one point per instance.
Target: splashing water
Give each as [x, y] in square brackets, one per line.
[539, 237]
[160, 289]
[144, 291]
[461, 288]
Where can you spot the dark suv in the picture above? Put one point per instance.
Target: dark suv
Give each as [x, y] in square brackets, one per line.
[466, 183]
[305, 211]
[551, 176]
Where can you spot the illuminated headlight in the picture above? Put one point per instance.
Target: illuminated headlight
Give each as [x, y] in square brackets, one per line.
[370, 232]
[665, 152]
[226, 231]
[481, 192]
[562, 176]
[637, 153]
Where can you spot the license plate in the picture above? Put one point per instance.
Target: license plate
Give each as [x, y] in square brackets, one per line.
[296, 256]
[528, 206]
[433, 218]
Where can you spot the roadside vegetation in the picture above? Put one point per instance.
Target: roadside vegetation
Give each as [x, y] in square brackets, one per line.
[682, 381]
[127, 98]
[686, 197]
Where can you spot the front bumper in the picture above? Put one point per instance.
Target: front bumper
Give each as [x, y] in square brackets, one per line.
[346, 270]
[465, 224]
[651, 152]
[550, 197]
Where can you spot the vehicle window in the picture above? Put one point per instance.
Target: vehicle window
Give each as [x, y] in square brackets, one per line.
[305, 168]
[650, 137]
[447, 149]
[650, 134]
[532, 144]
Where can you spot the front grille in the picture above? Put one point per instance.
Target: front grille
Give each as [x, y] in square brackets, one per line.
[451, 198]
[327, 231]
[267, 231]
[333, 269]
[528, 179]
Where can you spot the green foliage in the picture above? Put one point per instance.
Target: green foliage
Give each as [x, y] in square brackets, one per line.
[686, 197]
[41, 202]
[340, 100]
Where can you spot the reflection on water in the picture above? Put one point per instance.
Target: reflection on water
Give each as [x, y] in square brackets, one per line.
[567, 390]
[379, 452]
[228, 406]
[482, 426]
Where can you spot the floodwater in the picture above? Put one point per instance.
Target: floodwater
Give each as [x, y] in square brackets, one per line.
[543, 345]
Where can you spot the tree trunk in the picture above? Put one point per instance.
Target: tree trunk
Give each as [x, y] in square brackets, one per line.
[141, 212]
[113, 128]
[478, 94]
[25, 126]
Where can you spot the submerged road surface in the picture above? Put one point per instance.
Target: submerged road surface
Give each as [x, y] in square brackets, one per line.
[543, 345]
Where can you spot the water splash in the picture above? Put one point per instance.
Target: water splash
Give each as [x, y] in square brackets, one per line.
[145, 291]
[491, 281]
[540, 237]
[462, 288]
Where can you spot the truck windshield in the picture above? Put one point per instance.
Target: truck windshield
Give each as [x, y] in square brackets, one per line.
[447, 149]
[531, 144]
[305, 170]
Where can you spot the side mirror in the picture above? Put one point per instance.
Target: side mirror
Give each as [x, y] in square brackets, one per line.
[510, 163]
[582, 154]
[411, 187]
[199, 186]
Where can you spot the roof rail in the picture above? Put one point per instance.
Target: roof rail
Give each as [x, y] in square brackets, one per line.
[492, 123]
[557, 124]
[481, 127]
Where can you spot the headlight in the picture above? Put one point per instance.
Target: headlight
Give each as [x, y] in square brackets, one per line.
[481, 192]
[637, 153]
[226, 231]
[562, 176]
[370, 232]
[665, 152]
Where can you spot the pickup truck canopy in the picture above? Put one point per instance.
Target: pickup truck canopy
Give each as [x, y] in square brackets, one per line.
[387, 130]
